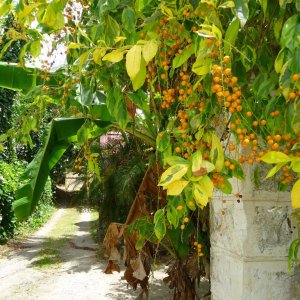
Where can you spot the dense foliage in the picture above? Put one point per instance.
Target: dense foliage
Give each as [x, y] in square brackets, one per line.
[10, 180]
[210, 85]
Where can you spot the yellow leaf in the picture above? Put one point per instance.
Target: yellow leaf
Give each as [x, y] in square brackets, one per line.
[98, 54]
[167, 11]
[114, 56]
[173, 173]
[76, 46]
[295, 193]
[133, 60]
[206, 185]
[200, 195]
[140, 78]
[83, 59]
[120, 39]
[149, 50]
[176, 187]
[196, 161]
[274, 170]
[275, 157]
[296, 166]
[27, 10]
[5, 7]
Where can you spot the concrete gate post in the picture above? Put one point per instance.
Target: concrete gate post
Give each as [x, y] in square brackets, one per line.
[249, 244]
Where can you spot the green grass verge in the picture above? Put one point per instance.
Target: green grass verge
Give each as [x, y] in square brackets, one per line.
[50, 256]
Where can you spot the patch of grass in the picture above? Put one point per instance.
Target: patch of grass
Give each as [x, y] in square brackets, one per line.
[34, 223]
[50, 256]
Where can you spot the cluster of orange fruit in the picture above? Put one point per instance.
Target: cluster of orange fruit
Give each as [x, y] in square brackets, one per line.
[198, 248]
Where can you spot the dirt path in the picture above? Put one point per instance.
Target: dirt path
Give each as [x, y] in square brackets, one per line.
[48, 267]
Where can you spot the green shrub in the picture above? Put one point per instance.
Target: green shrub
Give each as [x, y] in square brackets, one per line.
[41, 212]
[10, 175]
[9, 180]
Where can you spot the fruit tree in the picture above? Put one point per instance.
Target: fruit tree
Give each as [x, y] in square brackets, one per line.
[211, 85]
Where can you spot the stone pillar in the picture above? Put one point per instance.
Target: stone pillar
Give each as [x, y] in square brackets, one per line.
[249, 244]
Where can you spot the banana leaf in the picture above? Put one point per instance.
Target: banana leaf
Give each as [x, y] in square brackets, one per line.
[15, 78]
[58, 137]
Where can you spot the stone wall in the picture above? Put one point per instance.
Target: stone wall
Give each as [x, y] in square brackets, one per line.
[250, 237]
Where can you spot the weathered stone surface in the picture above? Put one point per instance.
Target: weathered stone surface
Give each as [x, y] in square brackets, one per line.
[249, 245]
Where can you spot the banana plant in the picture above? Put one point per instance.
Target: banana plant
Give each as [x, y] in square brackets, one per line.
[59, 135]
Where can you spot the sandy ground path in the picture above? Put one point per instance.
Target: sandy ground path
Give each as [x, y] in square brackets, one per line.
[79, 275]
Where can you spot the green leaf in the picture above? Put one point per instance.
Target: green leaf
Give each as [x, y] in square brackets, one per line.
[199, 134]
[200, 195]
[141, 100]
[114, 56]
[35, 48]
[173, 173]
[275, 157]
[238, 170]
[231, 35]
[163, 141]
[242, 11]
[139, 244]
[290, 33]
[111, 30]
[172, 216]
[248, 58]
[293, 253]
[280, 59]
[180, 59]
[296, 123]
[217, 153]
[278, 27]
[263, 85]
[275, 169]
[82, 134]
[264, 5]
[15, 78]
[150, 49]
[176, 187]
[295, 61]
[180, 239]
[58, 137]
[141, 4]
[227, 189]
[190, 203]
[117, 107]
[227, 4]
[133, 61]
[202, 66]
[174, 160]
[295, 194]
[160, 224]
[129, 19]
